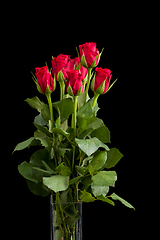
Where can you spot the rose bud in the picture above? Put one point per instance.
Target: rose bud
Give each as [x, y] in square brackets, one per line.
[101, 80]
[74, 85]
[89, 55]
[59, 63]
[79, 67]
[45, 82]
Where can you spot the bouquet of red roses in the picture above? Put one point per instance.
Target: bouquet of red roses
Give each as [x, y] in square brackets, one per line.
[74, 162]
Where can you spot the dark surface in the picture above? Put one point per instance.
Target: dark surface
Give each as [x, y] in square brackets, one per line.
[35, 40]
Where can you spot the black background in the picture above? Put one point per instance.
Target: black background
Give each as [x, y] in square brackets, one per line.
[35, 37]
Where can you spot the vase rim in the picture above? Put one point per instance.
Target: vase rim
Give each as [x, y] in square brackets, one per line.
[65, 202]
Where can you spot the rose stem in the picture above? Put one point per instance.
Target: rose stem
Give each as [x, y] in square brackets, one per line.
[62, 88]
[74, 126]
[96, 95]
[88, 82]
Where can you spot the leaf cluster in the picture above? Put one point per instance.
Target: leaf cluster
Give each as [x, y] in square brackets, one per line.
[50, 169]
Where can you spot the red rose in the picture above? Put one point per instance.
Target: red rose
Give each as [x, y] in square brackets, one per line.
[63, 64]
[59, 63]
[82, 69]
[74, 84]
[44, 78]
[89, 55]
[101, 80]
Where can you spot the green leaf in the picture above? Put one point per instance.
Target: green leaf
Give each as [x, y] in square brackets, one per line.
[89, 146]
[116, 197]
[40, 106]
[60, 131]
[102, 133]
[38, 156]
[45, 112]
[42, 170]
[34, 103]
[56, 183]
[98, 161]
[66, 107]
[48, 168]
[74, 180]
[40, 121]
[86, 111]
[86, 181]
[41, 137]
[72, 220]
[43, 129]
[63, 170]
[37, 188]
[81, 99]
[23, 145]
[105, 178]
[81, 170]
[26, 170]
[113, 157]
[87, 197]
[58, 235]
[95, 122]
[99, 190]
[105, 199]
[85, 133]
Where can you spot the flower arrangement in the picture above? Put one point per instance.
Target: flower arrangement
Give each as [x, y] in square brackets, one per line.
[74, 162]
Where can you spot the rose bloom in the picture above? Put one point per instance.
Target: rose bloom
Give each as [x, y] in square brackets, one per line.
[44, 78]
[90, 52]
[83, 70]
[74, 83]
[64, 63]
[59, 63]
[101, 76]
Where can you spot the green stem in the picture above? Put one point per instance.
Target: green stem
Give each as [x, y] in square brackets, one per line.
[62, 89]
[75, 112]
[62, 215]
[74, 126]
[96, 95]
[51, 125]
[88, 83]
[50, 107]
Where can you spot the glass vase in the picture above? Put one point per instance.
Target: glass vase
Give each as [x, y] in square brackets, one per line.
[66, 220]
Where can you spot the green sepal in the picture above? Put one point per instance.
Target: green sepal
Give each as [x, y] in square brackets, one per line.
[35, 80]
[111, 85]
[60, 77]
[48, 90]
[93, 82]
[69, 90]
[83, 61]
[93, 65]
[79, 91]
[100, 89]
[39, 88]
